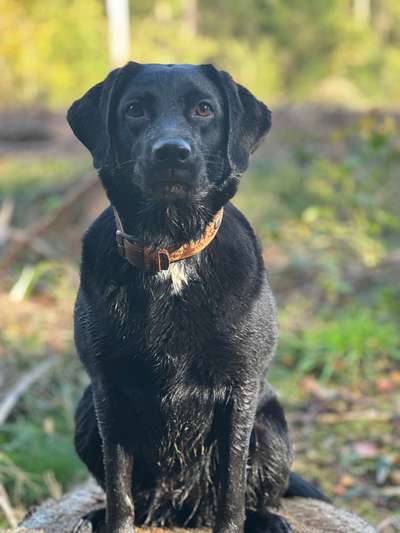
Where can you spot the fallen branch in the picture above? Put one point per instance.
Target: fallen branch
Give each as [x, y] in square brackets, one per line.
[313, 417]
[391, 523]
[31, 237]
[354, 416]
[65, 515]
[37, 244]
[27, 380]
[8, 233]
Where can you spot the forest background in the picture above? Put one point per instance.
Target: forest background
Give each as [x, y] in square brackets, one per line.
[323, 194]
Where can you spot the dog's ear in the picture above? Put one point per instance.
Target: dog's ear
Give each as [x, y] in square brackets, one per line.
[249, 119]
[90, 117]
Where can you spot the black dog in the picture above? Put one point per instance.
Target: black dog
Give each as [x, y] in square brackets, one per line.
[178, 425]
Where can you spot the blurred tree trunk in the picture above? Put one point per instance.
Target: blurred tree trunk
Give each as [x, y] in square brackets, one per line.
[362, 11]
[118, 31]
[190, 15]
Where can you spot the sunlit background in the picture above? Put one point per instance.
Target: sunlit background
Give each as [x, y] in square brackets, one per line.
[323, 193]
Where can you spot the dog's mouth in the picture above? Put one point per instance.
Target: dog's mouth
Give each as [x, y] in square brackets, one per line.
[170, 190]
[170, 187]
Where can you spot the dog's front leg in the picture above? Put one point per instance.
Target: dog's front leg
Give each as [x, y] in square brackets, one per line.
[118, 464]
[233, 449]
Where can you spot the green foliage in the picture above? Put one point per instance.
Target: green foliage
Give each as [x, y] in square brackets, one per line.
[336, 217]
[37, 453]
[53, 50]
[28, 177]
[29, 454]
[354, 213]
[353, 344]
[31, 276]
[337, 221]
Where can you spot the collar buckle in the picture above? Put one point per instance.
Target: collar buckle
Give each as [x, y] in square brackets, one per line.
[156, 260]
[119, 236]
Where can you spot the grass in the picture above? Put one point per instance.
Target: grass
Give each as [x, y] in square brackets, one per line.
[37, 458]
[18, 176]
[353, 344]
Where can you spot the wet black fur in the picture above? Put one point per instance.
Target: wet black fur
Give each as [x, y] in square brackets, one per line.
[179, 385]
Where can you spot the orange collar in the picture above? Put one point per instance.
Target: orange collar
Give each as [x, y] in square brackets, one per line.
[158, 259]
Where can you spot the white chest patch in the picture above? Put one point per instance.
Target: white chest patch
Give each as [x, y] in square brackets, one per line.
[178, 275]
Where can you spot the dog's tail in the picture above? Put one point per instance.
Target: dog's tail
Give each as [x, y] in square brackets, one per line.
[304, 489]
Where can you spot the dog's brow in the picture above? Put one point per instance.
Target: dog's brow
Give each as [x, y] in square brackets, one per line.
[196, 92]
[144, 95]
[199, 86]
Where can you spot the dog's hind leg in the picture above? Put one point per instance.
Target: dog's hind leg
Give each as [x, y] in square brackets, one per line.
[87, 437]
[266, 523]
[270, 457]
[88, 447]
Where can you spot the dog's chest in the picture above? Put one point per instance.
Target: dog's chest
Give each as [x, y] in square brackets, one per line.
[171, 409]
[175, 356]
[172, 321]
[177, 277]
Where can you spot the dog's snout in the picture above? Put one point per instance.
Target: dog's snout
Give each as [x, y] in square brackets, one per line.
[171, 151]
[171, 161]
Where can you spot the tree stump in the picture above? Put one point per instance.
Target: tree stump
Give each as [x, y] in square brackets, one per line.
[65, 515]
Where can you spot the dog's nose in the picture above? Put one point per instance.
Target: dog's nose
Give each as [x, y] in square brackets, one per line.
[171, 151]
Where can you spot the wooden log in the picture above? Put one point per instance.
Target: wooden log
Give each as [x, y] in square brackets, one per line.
[65, 515]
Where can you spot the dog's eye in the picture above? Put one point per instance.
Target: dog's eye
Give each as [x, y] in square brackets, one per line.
[135, 109]
[203, 109]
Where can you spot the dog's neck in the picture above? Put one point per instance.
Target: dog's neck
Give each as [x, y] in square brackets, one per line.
[167, 225]
[155, 259]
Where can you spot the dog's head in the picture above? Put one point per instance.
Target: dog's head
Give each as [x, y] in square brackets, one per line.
[171, 134]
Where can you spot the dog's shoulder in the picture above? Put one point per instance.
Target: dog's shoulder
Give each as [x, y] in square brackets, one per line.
[239, 251]
[100, 258]
[100, 235]
[239, 230]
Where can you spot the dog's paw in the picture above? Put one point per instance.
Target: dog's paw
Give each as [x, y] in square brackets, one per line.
[267, 523]
[93, 522]
[231, 529]
[277, 524]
